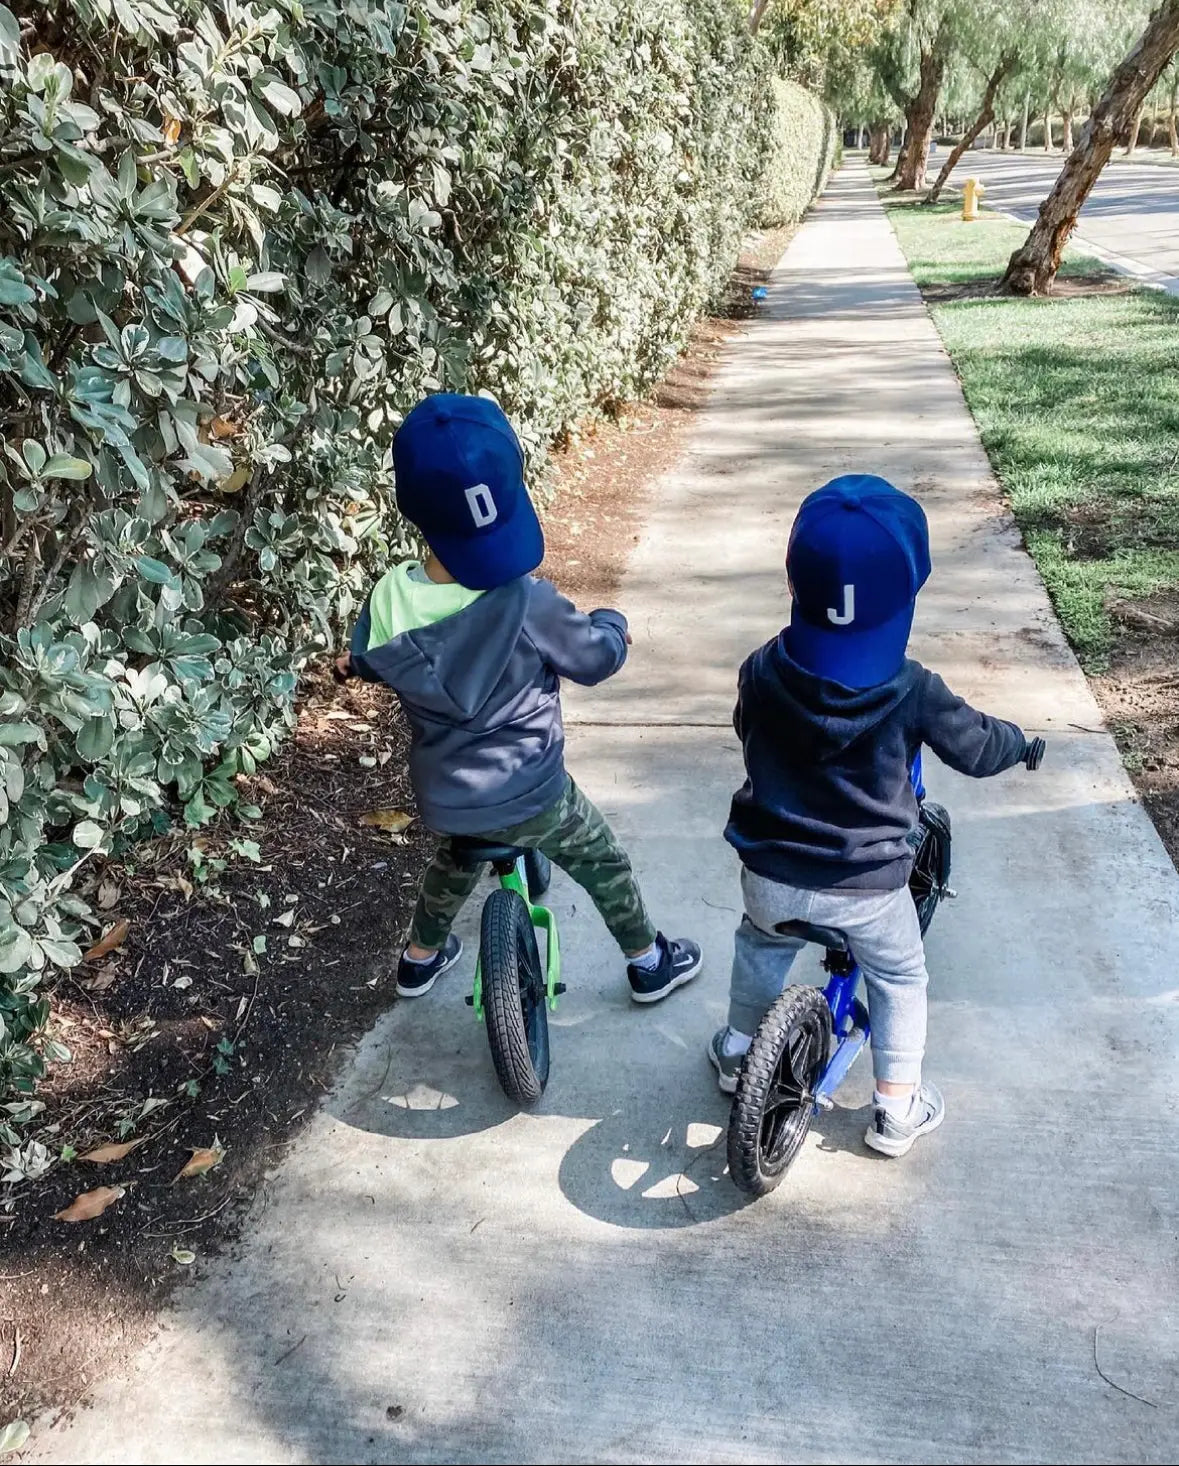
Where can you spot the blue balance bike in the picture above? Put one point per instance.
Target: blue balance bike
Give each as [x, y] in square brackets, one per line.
[790, 1072]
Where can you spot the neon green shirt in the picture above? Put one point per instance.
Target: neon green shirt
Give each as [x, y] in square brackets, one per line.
[405, 598]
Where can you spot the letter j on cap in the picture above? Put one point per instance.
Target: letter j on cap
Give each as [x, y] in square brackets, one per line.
[481, 505]
[848, 614]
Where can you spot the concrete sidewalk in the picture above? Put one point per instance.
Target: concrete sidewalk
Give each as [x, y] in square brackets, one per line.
[432, 1277]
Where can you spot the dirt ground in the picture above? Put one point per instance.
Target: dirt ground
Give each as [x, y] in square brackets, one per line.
[253, 955]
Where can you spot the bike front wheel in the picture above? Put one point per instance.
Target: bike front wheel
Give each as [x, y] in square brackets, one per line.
[514, 997]
[774, 1102]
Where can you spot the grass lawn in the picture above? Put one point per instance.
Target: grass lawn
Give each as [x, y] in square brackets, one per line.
[1077, 401]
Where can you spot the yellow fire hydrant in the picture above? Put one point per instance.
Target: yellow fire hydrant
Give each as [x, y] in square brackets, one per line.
[971, 194]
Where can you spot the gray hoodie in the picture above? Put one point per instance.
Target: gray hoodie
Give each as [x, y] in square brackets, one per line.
[481, 690]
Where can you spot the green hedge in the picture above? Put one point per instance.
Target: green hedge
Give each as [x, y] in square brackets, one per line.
[804, 150]
[237, 242]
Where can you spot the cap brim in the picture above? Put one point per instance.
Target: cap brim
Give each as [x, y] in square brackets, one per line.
[511, 549]
[854, 659]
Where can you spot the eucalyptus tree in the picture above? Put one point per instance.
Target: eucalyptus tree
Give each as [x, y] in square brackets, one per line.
[911, 57]
[988, 38]
[1032, 268]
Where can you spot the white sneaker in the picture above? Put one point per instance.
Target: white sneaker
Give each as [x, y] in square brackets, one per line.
[893, 1137]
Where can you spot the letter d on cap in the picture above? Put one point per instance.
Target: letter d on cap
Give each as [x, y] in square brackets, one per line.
[482, 505]
[847, 615]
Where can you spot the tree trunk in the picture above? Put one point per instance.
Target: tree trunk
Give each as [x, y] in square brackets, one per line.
[1048, 127]
[985, 116]
[1171, 124]
[1009, 129]
[757, 15]
[1023, 121]
[1134, 131]
[901, 151]
[1032, 268]
[919, 117]
[1068, 125]
[879, 143]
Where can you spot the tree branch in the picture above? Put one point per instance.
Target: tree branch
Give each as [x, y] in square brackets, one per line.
[222, 579]
[67, 544]
[28, 583]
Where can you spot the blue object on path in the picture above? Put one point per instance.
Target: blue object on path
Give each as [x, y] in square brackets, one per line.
[759, 292]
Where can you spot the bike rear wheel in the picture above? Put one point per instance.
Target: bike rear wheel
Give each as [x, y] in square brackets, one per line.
[514, 997]
[774, 1103]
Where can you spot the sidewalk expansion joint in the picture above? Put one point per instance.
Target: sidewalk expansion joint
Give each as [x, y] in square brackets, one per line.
[626, 723]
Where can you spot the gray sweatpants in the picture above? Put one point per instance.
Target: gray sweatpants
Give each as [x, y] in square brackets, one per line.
[885, 937]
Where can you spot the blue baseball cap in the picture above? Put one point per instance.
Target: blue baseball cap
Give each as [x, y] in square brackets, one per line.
[459, 470]
[858, 555]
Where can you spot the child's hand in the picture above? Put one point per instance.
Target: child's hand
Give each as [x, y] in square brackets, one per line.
[630, 641]
[342, 667]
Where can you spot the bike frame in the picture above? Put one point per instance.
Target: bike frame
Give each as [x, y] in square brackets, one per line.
[849, 1016]
[542, 920]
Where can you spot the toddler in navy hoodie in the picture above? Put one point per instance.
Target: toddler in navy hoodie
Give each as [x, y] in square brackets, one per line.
[831, 714]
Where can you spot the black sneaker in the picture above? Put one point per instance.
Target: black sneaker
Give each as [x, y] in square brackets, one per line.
[679, 962]
[416, 978]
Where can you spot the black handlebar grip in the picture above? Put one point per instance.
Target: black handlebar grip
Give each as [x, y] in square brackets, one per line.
[1033, 755]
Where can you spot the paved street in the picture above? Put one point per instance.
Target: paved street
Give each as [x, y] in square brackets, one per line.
[432, 1277]
[1132, 213]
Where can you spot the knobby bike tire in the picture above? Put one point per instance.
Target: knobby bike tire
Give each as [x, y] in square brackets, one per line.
[514, 998]
[539, 870]
[762, 1145]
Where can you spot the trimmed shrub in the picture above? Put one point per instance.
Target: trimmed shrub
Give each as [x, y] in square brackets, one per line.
[801, 152]
[237, 242]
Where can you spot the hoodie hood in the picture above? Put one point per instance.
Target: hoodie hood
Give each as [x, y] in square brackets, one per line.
[451, 668]
[816, 719]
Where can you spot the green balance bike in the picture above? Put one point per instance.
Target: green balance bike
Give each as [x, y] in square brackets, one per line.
[514, 991]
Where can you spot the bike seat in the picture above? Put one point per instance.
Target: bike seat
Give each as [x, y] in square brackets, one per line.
[808, 931]
[470, 851]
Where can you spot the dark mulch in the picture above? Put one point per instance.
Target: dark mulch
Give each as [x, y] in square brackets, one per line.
[237, 1044]
[1065, 287]
[1139, 695]
[187, 996]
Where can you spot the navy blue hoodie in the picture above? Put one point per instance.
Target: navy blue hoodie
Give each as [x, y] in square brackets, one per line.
[827, 801]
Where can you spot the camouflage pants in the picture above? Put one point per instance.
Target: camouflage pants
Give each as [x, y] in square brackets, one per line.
[574, 835]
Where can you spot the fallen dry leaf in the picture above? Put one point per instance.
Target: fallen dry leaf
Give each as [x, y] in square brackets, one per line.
[89, 1204]
[108, 895]
[393, 820]
[109, 941]
[223, 427]
[171, 130]
[183, 1255]
[202, 1161]
[107, 1153]
[16, 1432]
